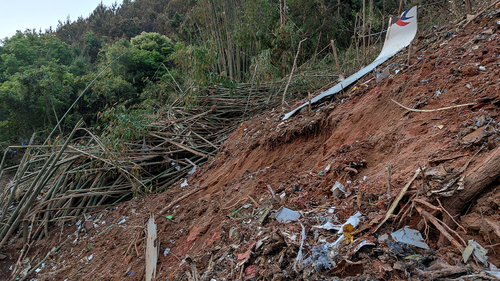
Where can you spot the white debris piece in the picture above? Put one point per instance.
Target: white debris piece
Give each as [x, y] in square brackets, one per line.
[410, 236]
[185, 183]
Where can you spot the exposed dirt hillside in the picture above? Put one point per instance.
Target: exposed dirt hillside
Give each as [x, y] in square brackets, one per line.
[230, 228]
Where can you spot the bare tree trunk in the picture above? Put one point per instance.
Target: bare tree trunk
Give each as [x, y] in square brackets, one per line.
[476, 180]
[363, 31]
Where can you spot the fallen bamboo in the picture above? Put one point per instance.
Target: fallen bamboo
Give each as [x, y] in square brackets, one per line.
[75, 178]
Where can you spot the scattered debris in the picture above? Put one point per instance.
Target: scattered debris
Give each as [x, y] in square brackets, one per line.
[321, 258]
[285, 215]
[338, 189]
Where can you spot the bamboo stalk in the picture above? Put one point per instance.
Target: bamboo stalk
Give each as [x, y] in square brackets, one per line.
[24, 209]
[291, 73]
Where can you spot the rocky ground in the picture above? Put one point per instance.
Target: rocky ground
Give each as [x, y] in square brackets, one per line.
[382, 155]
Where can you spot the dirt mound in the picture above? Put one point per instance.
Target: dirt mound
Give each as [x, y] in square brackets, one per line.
[365, 142]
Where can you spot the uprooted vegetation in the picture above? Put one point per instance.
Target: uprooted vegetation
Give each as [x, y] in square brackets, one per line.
[332, 192]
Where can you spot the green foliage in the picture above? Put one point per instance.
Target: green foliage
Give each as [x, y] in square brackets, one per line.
[198, 67]
[120, 125]
[150, 51]
[142, 57]
[39, 83]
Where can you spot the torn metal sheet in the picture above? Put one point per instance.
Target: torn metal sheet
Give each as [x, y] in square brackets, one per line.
[286, 215]
[399, 36]
[410, 236]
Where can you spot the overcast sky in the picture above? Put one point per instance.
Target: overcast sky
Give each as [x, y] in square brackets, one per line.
[36, 14]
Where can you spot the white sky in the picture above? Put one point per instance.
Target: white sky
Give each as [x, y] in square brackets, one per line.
[36, 14]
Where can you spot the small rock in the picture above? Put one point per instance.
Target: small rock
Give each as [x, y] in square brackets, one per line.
[487, 61]
[488, 31]
[468, 71]
[89, 224]
[478, 135]
[383, 258]
[399, 266]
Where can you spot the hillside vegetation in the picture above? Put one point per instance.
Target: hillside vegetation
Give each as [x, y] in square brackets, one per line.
[152, 52]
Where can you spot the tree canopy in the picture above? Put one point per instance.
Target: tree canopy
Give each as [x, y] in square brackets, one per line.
[152, 51]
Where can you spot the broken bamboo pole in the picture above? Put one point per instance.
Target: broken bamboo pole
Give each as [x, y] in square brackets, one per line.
[291, 73]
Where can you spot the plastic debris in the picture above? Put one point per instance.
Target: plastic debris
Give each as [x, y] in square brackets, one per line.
[349, 232]
[298, 260]
[271, 190]
[493, 271]
[362, 244]
[165, 253]
[353, 220]
[123, 220]
[410, 236]
[338, 189]
[285, 215]
[90, 257]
